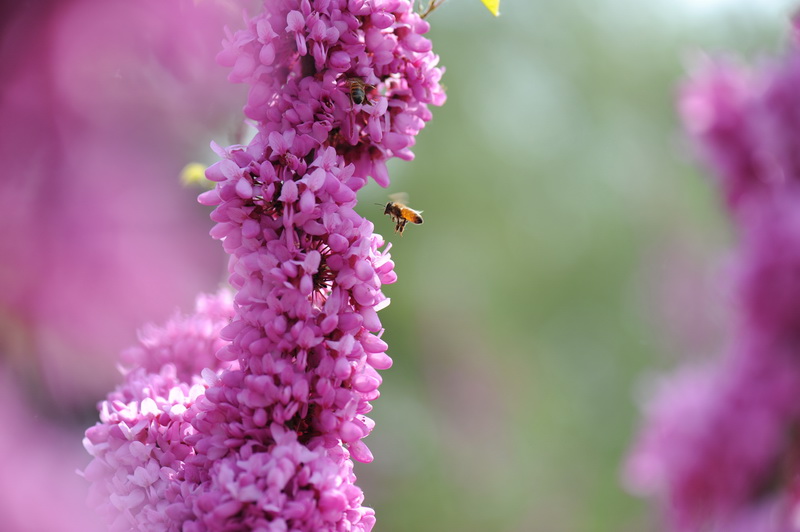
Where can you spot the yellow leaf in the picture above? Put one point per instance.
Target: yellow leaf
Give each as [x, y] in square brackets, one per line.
[493, 6]
[193, 174]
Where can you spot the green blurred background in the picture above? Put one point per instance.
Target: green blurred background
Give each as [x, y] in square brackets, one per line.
[571, 247]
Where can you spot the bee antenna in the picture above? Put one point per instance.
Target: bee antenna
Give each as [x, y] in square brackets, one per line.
[379, 204]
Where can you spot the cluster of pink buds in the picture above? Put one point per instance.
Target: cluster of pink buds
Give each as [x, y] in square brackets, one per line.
[262, 436]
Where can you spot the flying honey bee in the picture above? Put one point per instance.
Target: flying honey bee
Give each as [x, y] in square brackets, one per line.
[358, 90]
[400, 213]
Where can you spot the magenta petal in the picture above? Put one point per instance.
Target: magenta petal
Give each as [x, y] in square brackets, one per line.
[295, 21]
[380, 173]
[382, 20]
[359, 451]
[209, 198]
[417, 42]
[379, 361]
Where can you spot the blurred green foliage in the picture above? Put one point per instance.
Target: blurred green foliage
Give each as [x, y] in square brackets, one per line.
[570, 246]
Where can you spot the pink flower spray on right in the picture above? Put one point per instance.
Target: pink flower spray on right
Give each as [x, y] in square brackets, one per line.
[720, 447]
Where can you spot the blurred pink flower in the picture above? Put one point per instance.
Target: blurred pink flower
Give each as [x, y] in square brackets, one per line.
[100, 109]
[142, 439]
[720, 447]
[39, 489]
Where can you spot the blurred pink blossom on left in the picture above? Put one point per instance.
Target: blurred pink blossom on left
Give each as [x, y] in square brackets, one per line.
[101, 105]
[38, 458]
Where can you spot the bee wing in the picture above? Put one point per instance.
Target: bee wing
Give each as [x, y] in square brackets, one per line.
[399, 197]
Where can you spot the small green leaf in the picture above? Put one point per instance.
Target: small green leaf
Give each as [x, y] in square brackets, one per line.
[493, 6]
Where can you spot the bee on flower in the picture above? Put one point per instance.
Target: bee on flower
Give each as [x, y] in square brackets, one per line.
[358, 90]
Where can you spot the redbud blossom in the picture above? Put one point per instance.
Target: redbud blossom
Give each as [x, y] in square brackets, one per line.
[720, 445]
[264, 440]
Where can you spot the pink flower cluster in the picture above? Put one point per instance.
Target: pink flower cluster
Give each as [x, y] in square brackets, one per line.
[298, 58]
[140, 445]
[264, 440]
[720, 449]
